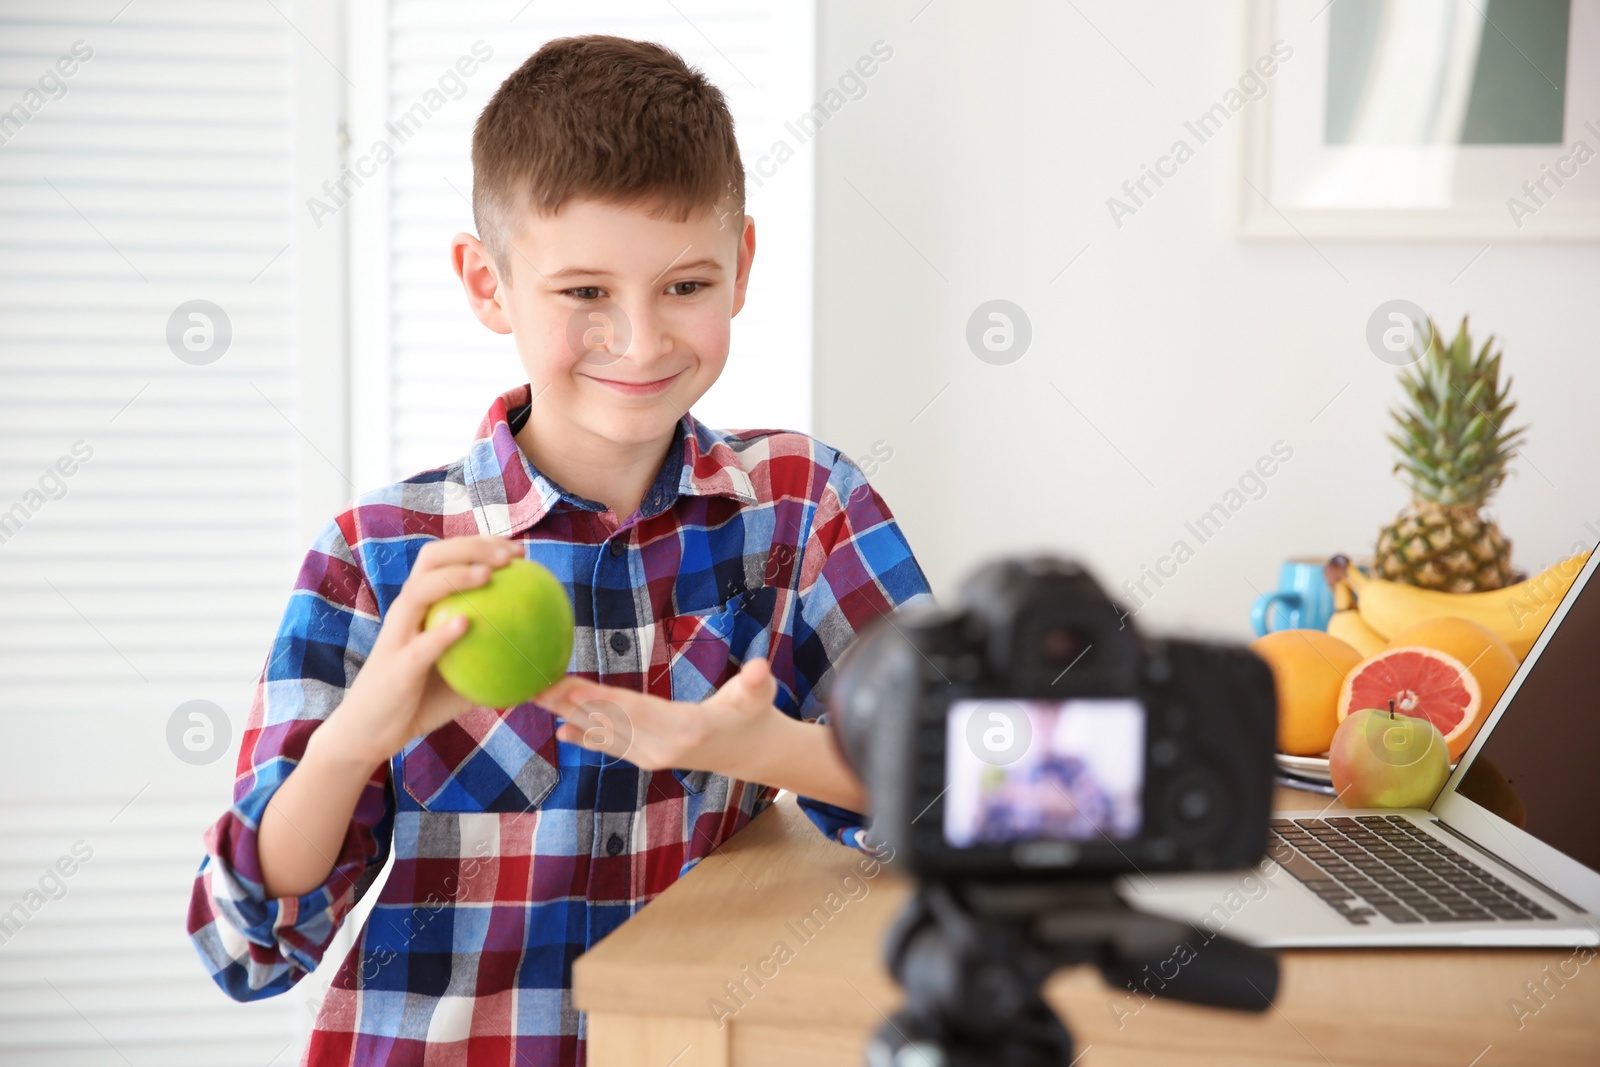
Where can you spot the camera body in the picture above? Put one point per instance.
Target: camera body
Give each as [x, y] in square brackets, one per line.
[1031, 733]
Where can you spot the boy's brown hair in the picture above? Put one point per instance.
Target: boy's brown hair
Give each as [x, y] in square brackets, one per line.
[606, 118]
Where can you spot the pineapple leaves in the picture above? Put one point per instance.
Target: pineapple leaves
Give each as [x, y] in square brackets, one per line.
[1473, 397]
[1450, 434]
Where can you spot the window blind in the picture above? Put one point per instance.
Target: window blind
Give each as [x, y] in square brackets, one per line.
[159, 471]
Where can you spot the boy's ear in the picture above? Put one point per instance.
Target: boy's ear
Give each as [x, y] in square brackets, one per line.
[480, 280]
[747, 252]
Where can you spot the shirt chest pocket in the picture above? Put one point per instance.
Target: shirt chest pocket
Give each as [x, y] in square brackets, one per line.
[484, 761]
[700, 648]
[704, 649]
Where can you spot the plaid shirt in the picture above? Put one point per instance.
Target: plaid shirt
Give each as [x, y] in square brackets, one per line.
[514, 853]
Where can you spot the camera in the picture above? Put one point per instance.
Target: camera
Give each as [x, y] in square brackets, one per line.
[1031, 733]
[1023, 750]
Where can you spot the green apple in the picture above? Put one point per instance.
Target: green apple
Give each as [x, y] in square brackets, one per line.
[1380, 759]
[519, 639]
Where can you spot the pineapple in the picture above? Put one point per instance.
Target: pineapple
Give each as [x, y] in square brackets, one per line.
[1453, 451]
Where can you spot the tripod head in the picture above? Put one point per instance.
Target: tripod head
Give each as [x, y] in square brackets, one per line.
[971, 958]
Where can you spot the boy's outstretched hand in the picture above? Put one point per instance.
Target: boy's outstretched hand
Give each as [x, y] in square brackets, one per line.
[658, 734]
[737, 731]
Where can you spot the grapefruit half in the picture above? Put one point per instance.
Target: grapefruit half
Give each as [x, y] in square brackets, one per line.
[1422, 682]
[1489, 658]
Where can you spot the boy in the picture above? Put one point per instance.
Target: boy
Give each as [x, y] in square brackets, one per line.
[715, 577]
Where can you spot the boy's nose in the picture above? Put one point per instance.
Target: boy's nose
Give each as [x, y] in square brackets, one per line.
[604, 334]
[648, 338]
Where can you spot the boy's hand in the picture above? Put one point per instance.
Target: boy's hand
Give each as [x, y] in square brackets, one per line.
[721, 734]
[398, 694]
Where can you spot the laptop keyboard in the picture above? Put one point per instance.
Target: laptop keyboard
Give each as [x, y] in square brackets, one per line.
[1385, 865]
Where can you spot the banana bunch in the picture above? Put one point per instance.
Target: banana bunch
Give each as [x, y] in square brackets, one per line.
[1348, 626]
[1518, 613]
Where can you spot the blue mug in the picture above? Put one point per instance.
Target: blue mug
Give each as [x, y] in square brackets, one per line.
[1303, 599]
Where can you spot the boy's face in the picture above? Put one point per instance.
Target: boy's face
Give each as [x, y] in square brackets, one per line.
[621, 319]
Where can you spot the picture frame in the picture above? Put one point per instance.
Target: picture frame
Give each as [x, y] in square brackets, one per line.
[1413, 156]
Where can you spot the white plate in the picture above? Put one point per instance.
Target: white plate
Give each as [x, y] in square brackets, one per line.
[1314, 767]
[1305, 766]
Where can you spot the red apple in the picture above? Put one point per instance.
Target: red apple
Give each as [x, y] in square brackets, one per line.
[1380, 759]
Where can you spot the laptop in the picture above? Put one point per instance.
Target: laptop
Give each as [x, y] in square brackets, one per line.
[1508, 854]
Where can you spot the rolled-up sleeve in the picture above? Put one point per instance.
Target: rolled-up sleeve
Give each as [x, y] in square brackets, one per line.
[855, 565]
[256, 946]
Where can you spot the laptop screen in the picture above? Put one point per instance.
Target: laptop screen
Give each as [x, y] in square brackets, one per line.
[1540, 768]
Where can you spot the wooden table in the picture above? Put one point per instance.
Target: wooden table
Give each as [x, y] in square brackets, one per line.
[652, 988]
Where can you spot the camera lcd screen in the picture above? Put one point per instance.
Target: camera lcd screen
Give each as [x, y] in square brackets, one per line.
[1023, 770]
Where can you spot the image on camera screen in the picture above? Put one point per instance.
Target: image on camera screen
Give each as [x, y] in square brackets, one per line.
[1063, 770]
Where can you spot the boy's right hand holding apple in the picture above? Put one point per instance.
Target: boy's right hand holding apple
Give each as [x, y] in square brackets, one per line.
[397, 696]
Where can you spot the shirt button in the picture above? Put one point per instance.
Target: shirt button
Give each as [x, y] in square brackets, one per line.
[618, 548]
[613, 844]
[619, 641]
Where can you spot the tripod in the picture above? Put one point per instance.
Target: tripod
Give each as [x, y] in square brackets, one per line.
[972, 956]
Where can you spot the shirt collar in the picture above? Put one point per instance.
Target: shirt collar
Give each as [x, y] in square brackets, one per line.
[510, 495]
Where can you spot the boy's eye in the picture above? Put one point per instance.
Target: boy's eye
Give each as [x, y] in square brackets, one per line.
[585, 292]
[676, 288]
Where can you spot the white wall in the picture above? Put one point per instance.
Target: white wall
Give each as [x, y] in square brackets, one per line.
[990, 141]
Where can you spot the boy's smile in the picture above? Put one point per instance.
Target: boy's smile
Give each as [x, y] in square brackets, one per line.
[621, 319]
[639, 388]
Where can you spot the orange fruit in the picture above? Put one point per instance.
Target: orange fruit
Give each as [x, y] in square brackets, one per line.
[1308, 668]
[1485, 652]
[1424, 683]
